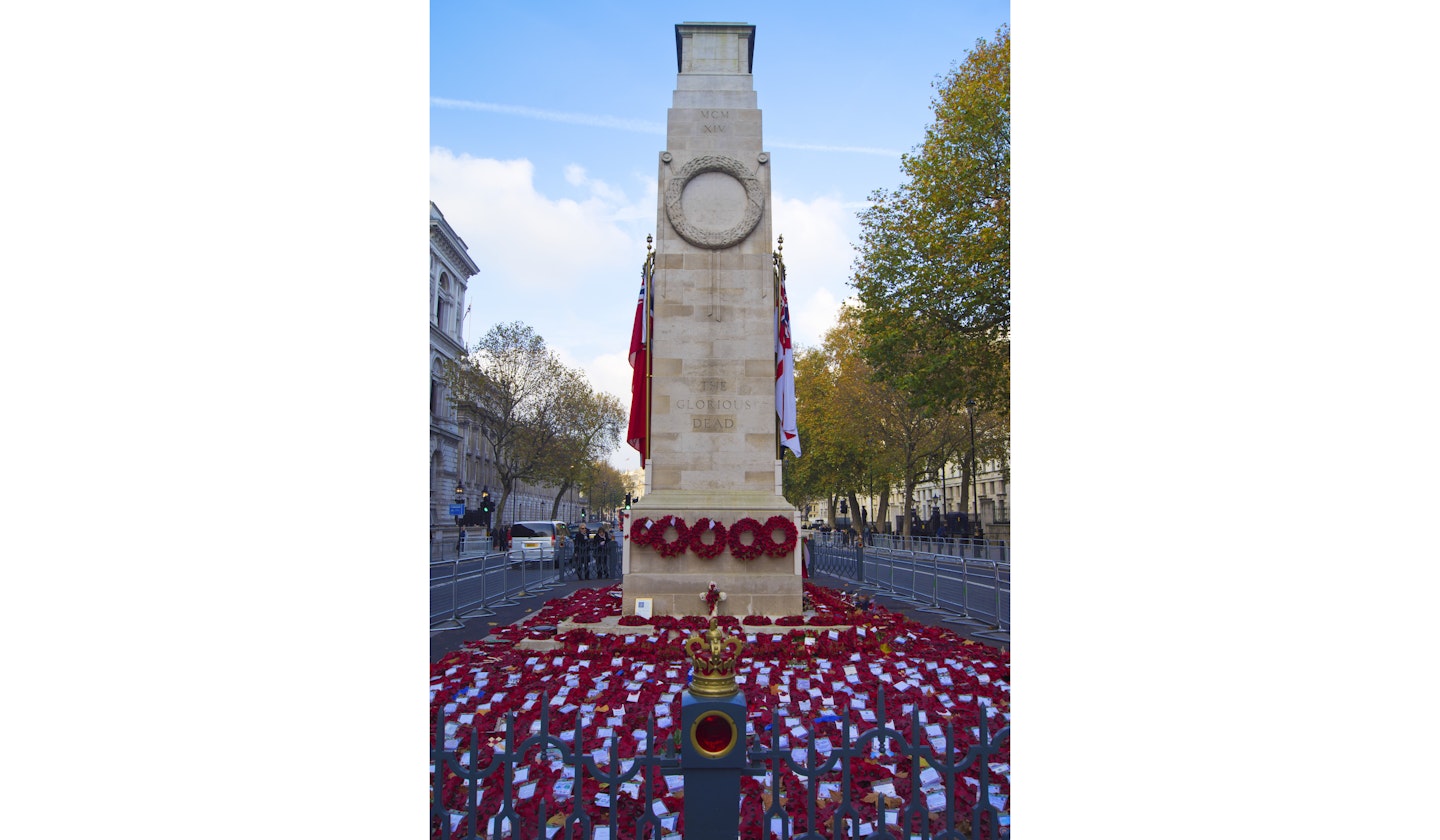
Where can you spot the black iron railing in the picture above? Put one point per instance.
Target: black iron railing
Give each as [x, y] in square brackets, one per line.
[485, 790]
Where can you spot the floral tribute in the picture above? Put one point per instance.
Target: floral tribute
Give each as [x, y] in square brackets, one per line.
[652, 532]
[781, 547]
[741, 550]
[705, 525]
[712, 597]
[642, 531]
[669, 548]
[804, 683]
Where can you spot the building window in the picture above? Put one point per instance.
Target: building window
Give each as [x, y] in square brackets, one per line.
[437, 391]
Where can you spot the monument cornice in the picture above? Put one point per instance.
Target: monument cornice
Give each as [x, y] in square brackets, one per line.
[691, 27]
[443, 240]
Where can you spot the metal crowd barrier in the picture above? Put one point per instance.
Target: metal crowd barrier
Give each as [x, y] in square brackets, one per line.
[971, 591]
[466, 586]
[449, 548]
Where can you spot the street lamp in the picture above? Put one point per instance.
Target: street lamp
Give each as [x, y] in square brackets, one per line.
[459, 499]
[974, 479]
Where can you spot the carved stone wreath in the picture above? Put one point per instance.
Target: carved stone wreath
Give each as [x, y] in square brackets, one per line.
[714, 239]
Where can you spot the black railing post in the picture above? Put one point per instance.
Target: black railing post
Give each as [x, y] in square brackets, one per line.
[712, 754]
[712, 737]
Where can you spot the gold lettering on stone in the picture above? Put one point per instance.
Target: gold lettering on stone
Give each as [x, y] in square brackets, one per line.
[712, 423]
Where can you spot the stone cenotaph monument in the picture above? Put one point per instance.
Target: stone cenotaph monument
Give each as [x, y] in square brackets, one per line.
[712, 423]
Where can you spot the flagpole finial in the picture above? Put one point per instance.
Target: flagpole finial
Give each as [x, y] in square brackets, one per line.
[781, 246]
[648, 239]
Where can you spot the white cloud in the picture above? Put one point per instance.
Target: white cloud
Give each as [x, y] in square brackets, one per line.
[598, 120]
[538, 254]
[818, 255]
[859, 150]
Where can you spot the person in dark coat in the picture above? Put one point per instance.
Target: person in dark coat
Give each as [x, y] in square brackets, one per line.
[582, 553]
[604, 546]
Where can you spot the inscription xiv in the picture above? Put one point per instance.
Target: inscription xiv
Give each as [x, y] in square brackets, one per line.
[714, 127]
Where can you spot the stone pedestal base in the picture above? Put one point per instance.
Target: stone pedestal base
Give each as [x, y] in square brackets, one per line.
[762, 586]
[746, 593]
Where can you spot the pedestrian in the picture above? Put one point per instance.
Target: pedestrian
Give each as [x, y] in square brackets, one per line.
[460, 545]
[582, 553]
[604, 547]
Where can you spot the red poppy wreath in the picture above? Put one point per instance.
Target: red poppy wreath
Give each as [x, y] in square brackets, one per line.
[669, 548]
[742, 550]
[705, 525]
[642, 531]
[779, 548]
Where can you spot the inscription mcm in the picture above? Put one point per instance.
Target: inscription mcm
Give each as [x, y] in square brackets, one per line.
[714, 128]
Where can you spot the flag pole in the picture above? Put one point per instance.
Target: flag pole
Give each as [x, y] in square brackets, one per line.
[649, 353]
[777, 279]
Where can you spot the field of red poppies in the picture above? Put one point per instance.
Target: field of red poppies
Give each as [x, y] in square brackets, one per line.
[801, 675]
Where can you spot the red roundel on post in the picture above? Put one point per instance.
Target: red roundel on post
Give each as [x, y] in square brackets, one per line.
[714, 733]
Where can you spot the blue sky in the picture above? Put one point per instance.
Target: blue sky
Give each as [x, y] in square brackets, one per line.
[546, 120]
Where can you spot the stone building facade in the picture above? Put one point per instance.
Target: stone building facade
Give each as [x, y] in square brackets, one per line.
[450, 271]
[459, 454]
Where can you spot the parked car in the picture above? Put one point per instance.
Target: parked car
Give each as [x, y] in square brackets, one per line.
[537, 540]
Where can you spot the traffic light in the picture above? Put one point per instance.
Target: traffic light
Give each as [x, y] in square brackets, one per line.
[582, 513]
[485, 504]
[627, 501]
[844, 507]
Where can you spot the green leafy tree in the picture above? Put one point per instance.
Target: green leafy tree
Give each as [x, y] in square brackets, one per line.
[933, 275]
[606, 488]
[588, 425]
[513, 384]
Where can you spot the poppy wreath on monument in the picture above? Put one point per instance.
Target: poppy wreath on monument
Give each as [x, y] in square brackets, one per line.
[669, 548]
[705, 525]
[742, 550]
[779, 548]
[642, 531]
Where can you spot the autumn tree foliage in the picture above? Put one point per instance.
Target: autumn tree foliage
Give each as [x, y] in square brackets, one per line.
[933, 275]
[863, 434]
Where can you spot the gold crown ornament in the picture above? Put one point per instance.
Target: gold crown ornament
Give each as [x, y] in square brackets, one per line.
[715, 658]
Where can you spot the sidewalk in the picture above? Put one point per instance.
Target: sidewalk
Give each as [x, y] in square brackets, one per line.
[478, 628]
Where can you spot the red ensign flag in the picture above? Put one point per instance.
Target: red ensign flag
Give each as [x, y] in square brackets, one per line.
[638, 433]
